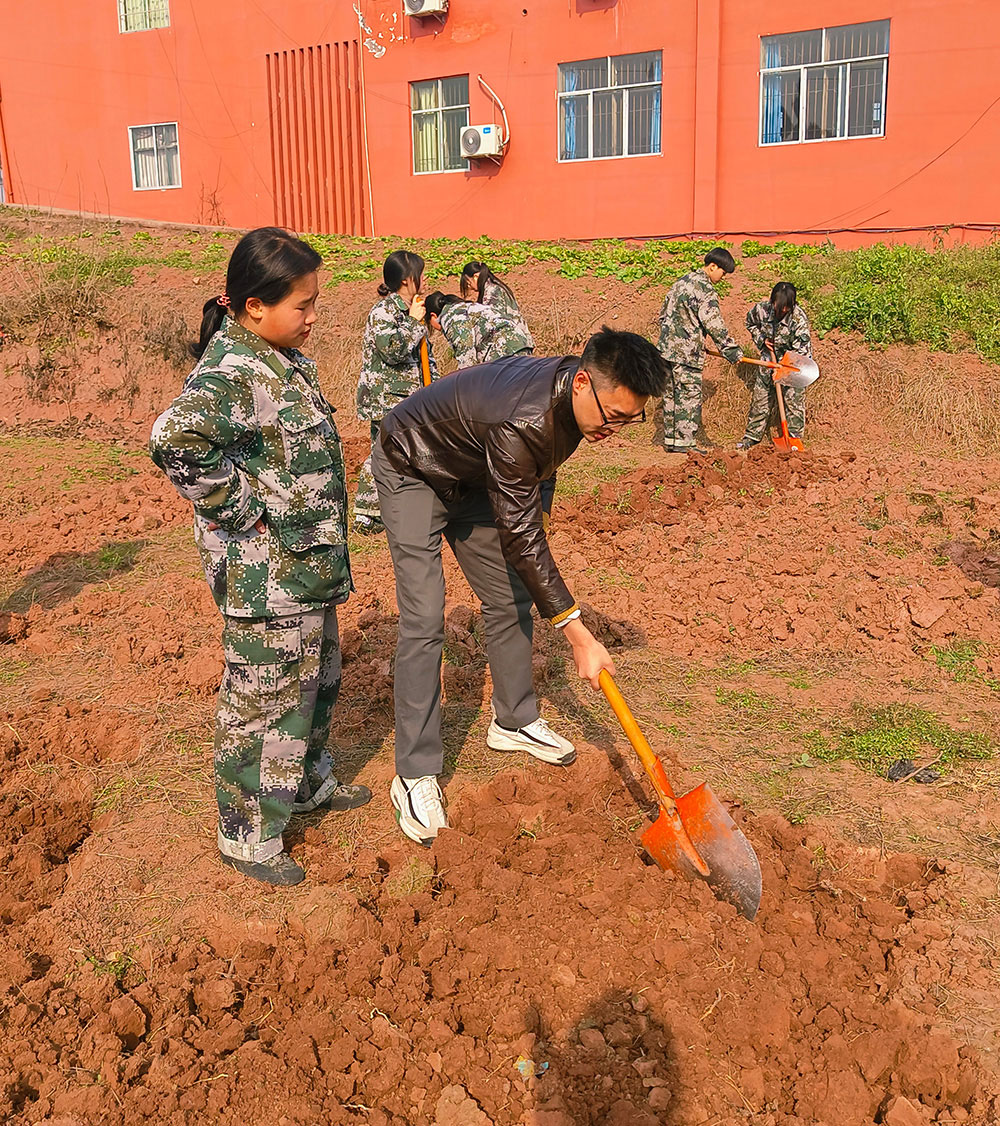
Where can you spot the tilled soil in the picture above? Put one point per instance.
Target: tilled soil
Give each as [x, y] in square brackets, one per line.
[428, 979]
[532, 968]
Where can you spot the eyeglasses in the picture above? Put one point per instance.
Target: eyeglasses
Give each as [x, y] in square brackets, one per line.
[615, 422]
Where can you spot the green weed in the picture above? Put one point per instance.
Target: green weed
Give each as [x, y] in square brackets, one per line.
[748, 703]
[903, 731]
[959, 659]
[946, 298]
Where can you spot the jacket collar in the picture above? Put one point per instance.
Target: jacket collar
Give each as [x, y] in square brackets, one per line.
[282, 365]
[562, 397]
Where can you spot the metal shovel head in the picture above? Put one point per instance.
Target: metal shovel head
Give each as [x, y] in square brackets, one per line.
[806, 371]
[734, 873]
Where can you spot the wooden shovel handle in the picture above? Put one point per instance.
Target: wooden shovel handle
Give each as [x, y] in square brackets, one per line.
[425, 363]
[651, 764]
[773, 365]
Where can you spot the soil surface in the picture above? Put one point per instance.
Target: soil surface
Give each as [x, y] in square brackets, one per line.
[766, 612]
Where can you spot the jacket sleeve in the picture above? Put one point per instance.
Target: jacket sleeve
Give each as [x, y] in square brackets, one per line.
[710, 316]
[516, 499]
[189, 443]
[755, 326]
[397, 336]
[801, 337]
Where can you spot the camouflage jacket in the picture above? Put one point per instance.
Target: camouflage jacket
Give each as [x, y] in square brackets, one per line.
[479, 333]
[251, 436]
[390, 358]
[689, 314]
[790, 334]
[499, 299]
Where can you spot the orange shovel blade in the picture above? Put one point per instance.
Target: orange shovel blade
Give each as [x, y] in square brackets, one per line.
[786, 445]
[734, 873]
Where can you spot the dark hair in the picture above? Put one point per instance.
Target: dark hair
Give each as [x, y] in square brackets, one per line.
[436, 301]
[719, 256]
[265, 264]
[626, 360]
[401, 266]
[783, 296]
[483, 275]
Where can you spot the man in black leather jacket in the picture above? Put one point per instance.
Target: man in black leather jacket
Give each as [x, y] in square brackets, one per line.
[465, 458]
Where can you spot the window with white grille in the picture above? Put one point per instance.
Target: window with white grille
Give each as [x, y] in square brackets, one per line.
[155, 156]
[824, 85]
[610, 106]
[143, 15]
[440, 111]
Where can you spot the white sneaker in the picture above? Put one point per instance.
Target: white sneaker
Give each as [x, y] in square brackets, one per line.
[419, 807]
[537, 739]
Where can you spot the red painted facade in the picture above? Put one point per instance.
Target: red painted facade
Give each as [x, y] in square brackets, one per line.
[283, 114]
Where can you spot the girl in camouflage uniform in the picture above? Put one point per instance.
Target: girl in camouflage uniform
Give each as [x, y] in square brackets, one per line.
[479, 283]
[776, 326]
[477, 333]
[251, 442]
[390, 365]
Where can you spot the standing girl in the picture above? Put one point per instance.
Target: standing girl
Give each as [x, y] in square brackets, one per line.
[776, 326]
[251, 442]
[390, 365]
[479, 283]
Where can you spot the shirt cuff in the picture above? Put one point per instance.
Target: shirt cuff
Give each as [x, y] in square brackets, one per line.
[566, 616]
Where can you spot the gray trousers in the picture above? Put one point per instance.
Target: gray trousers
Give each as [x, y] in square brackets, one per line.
[415, 519]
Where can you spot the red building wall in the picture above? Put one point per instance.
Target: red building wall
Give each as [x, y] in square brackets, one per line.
[71, 84]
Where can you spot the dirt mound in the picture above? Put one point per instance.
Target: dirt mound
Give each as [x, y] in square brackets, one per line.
[662, 494]
[37, 837]
[50, 730]
[427, 987]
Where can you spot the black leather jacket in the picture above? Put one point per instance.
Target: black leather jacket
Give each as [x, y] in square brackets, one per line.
[504, 427]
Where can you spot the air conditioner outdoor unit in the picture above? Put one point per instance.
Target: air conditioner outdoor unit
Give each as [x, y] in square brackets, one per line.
[481, 140]
[425, 7]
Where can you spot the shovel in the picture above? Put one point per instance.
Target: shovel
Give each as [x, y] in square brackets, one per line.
[694, 834]
[793, 370]
[425, 363]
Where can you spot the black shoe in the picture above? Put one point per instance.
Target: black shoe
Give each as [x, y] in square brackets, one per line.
[280, 870]
[368, 526]
[746, 444]
[339, 799]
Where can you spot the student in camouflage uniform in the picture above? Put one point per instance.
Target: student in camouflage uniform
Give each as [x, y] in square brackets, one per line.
[477, 333]
[251, 442]
[390, 365]
[478, 283]
[776, 326]
[689, 314]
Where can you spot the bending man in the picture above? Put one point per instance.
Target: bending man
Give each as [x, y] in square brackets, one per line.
[464, 458]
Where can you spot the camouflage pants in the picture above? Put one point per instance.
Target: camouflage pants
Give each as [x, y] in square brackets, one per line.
[681, 407]
[366, 498]
[764, 408]
[272, 722]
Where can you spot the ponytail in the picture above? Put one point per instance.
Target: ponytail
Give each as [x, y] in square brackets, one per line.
[213, 313]
[266, 263]
[401, 266]
[479, 274]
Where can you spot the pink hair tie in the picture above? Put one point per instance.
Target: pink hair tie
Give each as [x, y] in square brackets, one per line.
[222, 300]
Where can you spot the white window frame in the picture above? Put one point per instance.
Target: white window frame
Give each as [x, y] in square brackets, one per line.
[442, 171]
[154, 125]
[625, 155]
[842, 102]
[123, 27]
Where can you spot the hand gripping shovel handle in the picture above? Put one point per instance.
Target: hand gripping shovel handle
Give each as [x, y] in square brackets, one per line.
[775, 365]
[654, 771]
[425, 362]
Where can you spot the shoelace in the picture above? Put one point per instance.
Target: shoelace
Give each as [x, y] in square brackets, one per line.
[426, 791]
